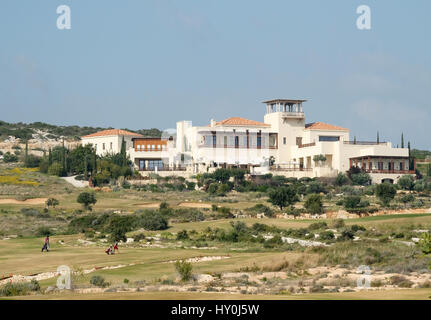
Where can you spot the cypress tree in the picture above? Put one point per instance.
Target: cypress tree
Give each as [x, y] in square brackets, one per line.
[378, 137]
[63, 159]
[85, 167]
[26, 152]
[410, 156]
[402, 140]
[123, 153]
[354, 140]
[49, 156]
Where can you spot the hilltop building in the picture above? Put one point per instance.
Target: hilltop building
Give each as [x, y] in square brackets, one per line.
[283, 144]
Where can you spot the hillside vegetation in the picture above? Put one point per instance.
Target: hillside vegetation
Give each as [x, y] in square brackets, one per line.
[40, 129]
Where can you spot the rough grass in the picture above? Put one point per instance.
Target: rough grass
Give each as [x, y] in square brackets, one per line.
[401, 294]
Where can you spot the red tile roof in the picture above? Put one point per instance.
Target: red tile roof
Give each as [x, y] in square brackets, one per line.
[112, 132]
[238, 121]
[323, 126]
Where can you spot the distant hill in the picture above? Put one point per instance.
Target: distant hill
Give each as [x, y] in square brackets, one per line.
[37, 130]
[421, 154]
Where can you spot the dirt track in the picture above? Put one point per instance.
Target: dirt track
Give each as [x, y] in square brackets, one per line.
[28, 201]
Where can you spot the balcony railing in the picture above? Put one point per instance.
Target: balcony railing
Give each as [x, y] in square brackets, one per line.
[364, 143]
[222, 146]
[289, 114]
[307, 145]
[390, 171]
[174, 168]
[274, 168]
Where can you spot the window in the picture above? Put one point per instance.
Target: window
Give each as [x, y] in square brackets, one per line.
[245, 141]
[138, 147]
[141, 165]
[110, 146]
[380, 165]
[148, 147]
[159, 146]
[329, 138]
[284, 140]
[259, 141]
[225, 141]
[401, 166]
[236, 142]
[103, 146]
[152, 164]
[214, 141]
[153, 147]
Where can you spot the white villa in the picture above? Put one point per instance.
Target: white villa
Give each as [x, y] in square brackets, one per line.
[283, 144]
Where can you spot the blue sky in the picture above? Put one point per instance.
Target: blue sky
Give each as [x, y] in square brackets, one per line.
[149, 63]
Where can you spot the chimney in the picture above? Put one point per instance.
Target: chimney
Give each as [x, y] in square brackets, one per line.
[213, 122]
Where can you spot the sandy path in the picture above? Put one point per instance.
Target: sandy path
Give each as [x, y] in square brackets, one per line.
[195, 205]
[150, 205]
[28, 201]
[76, 183]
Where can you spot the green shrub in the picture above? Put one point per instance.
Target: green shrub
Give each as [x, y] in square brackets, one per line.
[152, 220]
[315, 187]
[55, 169]
[283, 196]
[87, 199]
[32, 161]
[346, 235]
[385, 192]
[400, 281]
[352, 202]
[52, 202]
[222, 189]
[139, 237]
[317, 225]
[183, 235]
[99, 281]
[314, 204]
[190, 185]
[9, 157]
[163, 205]
[406, 182]
[326, 235]
[212, 189]
[407, 198]
[361, 179]
[43, 231]
[19, 289]
[184, 269]
[341, 179]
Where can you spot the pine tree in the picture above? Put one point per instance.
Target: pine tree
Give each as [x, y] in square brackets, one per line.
[402, 140]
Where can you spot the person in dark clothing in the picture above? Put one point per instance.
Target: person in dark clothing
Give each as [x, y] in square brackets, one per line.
[46, 244]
